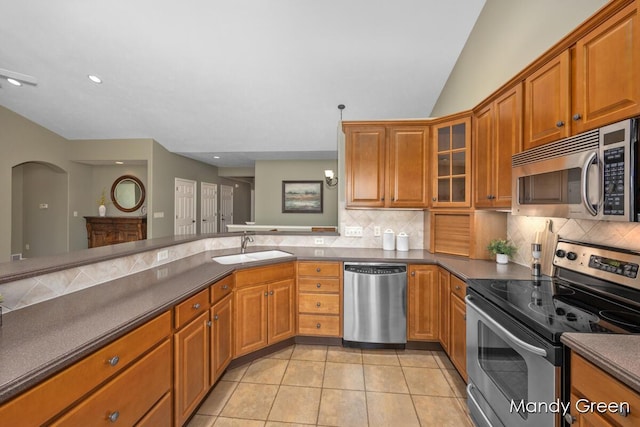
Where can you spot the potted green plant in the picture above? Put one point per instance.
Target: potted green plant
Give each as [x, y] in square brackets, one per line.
[502, 249]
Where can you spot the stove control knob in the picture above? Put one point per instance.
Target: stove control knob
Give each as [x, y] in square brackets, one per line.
[560, 253]
[560, 311]
[572, 256]
[572, 317]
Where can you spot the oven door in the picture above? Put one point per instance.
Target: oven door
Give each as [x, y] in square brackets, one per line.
[512, 382]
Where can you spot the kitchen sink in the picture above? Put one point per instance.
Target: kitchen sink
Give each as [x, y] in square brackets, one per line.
[250, 257]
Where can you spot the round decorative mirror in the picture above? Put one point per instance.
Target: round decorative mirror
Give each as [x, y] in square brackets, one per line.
[127, 193]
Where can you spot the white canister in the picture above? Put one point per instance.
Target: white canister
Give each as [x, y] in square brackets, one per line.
[388, 240]
[403, 241]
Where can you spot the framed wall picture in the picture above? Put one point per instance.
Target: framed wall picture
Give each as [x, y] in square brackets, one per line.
[302, 196]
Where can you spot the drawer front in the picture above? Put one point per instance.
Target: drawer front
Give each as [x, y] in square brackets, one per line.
[160, 415]
[310, 324]
[127, 397]
[322, 269]
[458, 287]
[221, 288]
[319, 303]
[84, 375]
[320, 284]
[192, 307]
[270, 273]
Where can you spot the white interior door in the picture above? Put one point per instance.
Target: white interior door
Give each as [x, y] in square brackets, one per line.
[185, 207]
[226, 206]
[208, 207]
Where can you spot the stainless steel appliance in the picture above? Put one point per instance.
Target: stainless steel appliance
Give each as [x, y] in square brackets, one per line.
[375, 305]
[590, 176]
[516, 364]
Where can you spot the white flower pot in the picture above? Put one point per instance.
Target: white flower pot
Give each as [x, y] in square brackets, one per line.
[502, 259]
[102, 210]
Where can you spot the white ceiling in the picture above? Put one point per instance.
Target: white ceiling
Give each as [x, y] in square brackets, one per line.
[242, 79]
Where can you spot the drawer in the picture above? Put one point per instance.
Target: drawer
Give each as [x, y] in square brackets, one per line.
[128, 397]
[83, 376]
[322, 269]
[458, 287]
[270, 273]
[320, 284]
[221, 288]
[160, 415]
[319, 303]
[311, 324]
[187, 310]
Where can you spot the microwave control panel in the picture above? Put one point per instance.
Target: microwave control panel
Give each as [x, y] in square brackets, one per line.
[614, 177]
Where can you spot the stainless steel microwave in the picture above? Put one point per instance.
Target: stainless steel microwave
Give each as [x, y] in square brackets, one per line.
[592, 175]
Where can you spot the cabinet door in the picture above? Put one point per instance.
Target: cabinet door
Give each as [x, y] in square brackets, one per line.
[282, 310]
[444, 290]
[423, 312]
[483, 158]
[608, 72]
[458, 343]
[547, 103]
[451, 164]
[250, 322]
[191, 366]
[221, 337]
[407, 167]
[586, 419]
[365, 160]
[507, 140]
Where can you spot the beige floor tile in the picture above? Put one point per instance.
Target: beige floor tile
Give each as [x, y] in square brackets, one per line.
[440, 411]
[380, 357]
[389, 409]
[279, 424]
[218, 397]
[237, 422]
[417, 358]
[285, 353]
[296, 405]
[388, 379]
[442, 360]
[456, 382]
[265, 371]
[304, 373]
[316, 353]
[427, 381]
[344, 355]
[345, 376]
[346, 408]
[235, 374]
[252, 401]
[201, 421]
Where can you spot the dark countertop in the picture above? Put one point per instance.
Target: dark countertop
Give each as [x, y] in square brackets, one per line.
[42, 339]
[614, 354]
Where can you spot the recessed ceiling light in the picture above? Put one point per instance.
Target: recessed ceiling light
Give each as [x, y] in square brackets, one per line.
[95, 79]
[119, 163]
[216, 157]
[14, 82]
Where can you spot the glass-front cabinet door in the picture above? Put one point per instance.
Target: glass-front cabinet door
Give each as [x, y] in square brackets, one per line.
[452, 163]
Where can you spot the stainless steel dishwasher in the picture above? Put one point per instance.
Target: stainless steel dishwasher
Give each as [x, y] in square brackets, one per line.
[375, 305]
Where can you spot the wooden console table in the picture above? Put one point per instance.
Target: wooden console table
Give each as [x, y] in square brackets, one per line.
[109, 230]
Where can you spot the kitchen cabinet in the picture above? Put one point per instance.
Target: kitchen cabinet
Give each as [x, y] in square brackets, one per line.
[386, 164]
[320, 298]
[444, 290]
[547, 111]
[423, 311]
[264, 302]
[497, 136]
[109, 230]
[458, 326]
[589, 384]
[451, 164]
[221, 318]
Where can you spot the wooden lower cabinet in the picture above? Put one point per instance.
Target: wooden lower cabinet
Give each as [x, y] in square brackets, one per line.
[458, 326]
[221, 337]
[423, 311]
[320, 298]
[160, 415]
[281, 311]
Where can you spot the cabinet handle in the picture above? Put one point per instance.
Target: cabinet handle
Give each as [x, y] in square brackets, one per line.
[318, 304]
[576, 117]
[225, 287]
[215, 317]
[209, 323]
[196, 306]
[318, 285]
[570, 419]
[559, 124]
[113, 361]
[318, 325]
[113, 417]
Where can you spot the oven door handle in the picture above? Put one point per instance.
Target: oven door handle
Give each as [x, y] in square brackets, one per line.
[515, 340]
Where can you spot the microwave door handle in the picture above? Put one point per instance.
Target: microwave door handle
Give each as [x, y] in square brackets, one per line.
[515, 340]
[585, 184]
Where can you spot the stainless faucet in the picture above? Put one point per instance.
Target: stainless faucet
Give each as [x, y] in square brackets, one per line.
[245, 240]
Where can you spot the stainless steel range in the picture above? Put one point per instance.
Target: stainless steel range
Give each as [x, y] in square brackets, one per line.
[515, 361]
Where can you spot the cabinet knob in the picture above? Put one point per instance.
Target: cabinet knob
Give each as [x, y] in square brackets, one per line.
[413, 274]
[318, 270]
[215, 317]
[318, 304]
[559, 124]
[393, 199]
[570, 419]
[271, 293]
[576, 117]
[266, 294]
[433, 199]
[457, 287]
[225, 287]
[318, 285]
[318, 325]
[382, 199]
[209, 323]
[113, 361]
[196, 306]
[624, 412]
[113, 417]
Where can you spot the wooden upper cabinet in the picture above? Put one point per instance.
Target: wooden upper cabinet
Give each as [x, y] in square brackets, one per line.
[497, 136]
[407, 162]
[451, 164]
[365, 165]
[547, 115]
[607, 72]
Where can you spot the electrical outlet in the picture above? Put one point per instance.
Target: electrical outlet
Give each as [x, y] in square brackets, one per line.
[162, 255]
[44, 206]
[162, 273]
[319, 241]
[353, 231]
[376, 231]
